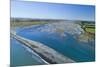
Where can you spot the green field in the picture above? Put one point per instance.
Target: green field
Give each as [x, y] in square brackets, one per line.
[91, 30]
[88, 27]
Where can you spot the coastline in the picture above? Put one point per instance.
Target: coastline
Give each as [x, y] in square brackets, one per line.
[33, 52]
[46, 53]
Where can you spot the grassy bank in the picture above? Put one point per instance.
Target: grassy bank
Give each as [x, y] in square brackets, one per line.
[23, 24]
[89, 31]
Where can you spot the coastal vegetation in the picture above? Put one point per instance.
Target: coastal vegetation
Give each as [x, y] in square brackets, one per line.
[84, 29]
[45, 36]
[22, 22]
[89, 31]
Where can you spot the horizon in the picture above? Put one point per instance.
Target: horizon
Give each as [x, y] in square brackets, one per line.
[49, 19]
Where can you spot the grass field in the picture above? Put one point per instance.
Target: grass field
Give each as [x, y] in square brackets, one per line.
[91, 30]
[88, 27]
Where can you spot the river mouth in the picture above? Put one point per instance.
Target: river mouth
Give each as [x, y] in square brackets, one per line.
[62, 37]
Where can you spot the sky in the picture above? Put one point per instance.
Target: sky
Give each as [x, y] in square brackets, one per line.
[42, 10]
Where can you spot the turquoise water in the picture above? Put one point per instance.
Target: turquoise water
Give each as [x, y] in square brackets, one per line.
[22, 56]
[68, 46]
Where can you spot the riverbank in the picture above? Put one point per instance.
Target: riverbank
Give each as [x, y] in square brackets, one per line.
[48, 54]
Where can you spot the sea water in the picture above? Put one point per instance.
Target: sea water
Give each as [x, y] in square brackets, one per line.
[67, 46]
[22, 55]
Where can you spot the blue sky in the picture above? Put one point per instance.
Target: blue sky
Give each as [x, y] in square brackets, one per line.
[42, 10]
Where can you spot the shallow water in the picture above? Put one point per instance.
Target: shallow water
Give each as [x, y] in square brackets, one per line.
[21, 56]
[66, 45]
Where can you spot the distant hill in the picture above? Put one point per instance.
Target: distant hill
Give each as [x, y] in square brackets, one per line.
[38, 19]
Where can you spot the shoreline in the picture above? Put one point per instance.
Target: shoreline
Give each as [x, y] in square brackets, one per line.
[46, 53]
[33, 52]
